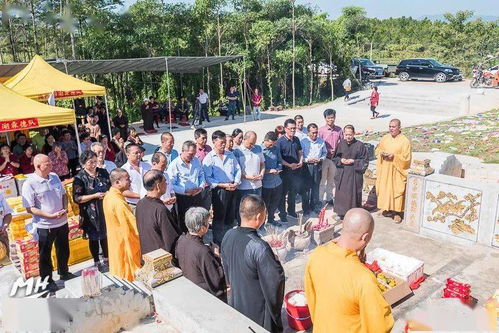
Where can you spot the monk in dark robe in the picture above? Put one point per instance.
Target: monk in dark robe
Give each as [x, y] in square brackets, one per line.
[147, 117]
[351, 160]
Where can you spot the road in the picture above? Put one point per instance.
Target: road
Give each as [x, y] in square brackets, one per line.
[413, 102]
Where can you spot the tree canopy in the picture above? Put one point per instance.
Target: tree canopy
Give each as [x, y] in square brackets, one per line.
[261, 30]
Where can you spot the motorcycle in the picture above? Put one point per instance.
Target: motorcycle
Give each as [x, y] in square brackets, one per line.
[481, 78]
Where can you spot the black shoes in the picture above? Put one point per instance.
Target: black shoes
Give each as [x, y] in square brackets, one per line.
[67, 276]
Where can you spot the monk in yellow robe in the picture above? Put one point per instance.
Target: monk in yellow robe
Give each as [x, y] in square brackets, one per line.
[342, 293]
[122, 234]
[394, 159]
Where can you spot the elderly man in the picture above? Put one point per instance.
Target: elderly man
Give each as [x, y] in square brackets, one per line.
[394, 160]
[198, 261]
[332, 135]
[98, 149]
[167, 142]
[136, 169]
[186, 178]
[45, 198]
[159, 163]
[292, 175]
[156, 224]
[252, 162]
[342, 293]
[223, 174]
[314, 153]
[252, 270]
[122, 234]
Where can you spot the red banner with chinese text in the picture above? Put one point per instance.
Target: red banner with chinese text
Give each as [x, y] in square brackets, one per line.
[70, 93]
[18, 124]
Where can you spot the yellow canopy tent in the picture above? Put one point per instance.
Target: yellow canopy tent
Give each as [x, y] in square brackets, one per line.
[19, 113]
[38, 80]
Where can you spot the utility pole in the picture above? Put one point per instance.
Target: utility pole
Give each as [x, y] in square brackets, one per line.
[371, 53]
[294, 60]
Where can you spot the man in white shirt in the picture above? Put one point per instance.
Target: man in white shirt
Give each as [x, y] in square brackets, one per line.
[301, 131]
[159, 163]
[314, 152]
[45, 198]
[98, 149]
[203, 100]
[136, 169]
[252, 162]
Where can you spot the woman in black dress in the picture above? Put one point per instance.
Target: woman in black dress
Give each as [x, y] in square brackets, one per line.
[89, 187]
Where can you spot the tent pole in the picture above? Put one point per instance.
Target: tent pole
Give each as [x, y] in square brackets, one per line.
[244, 88]
[108, 118]
[78, 138]
[168, 93]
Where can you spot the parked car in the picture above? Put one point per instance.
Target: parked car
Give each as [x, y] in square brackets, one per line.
[427, 69]
[369, 69]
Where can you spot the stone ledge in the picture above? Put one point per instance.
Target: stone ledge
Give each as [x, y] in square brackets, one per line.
[191, 309]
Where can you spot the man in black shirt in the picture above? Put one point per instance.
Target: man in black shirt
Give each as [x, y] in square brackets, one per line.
[251, 268]
[156, 225]
[292, 165]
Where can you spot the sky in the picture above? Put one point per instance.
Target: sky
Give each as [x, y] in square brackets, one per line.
[396, 8]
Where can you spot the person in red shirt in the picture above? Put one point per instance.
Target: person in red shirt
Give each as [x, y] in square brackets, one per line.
[9, 165]
[374, 102]
[256, 100]
[26, 160]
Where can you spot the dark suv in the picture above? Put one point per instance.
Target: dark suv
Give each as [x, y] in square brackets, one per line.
[369, 69]
[427, 69]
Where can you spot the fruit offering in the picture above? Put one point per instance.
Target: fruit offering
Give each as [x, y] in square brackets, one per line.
[385, 282]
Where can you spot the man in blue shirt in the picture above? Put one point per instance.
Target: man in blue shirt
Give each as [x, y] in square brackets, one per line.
[232, 96]
[314, 152]
[272, 183]
[223, 174]
[292, 174]
[167, 142]
[186, 176]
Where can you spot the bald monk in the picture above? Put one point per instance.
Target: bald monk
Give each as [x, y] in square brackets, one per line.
[394, 159]
[122, 235]
[342, 293]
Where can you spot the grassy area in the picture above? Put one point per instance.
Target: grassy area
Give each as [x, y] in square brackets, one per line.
[476, 135]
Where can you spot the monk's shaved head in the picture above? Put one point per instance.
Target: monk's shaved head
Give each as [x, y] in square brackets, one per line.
[117, 174]
[396, 121]
[357, 221]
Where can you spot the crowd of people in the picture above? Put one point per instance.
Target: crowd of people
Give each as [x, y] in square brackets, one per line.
[182, 111]
[129, 207]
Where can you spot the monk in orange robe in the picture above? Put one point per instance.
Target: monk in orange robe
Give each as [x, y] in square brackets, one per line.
[342, 293]
[122, 234]
[394, 159]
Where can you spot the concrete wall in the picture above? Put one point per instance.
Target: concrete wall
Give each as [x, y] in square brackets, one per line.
[453, 209]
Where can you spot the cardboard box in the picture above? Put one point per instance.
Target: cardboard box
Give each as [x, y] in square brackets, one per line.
[395, 294]
[407, 268]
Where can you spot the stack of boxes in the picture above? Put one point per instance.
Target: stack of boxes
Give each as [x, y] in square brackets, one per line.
[157, 269]
[455, 289]
[27, 254]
